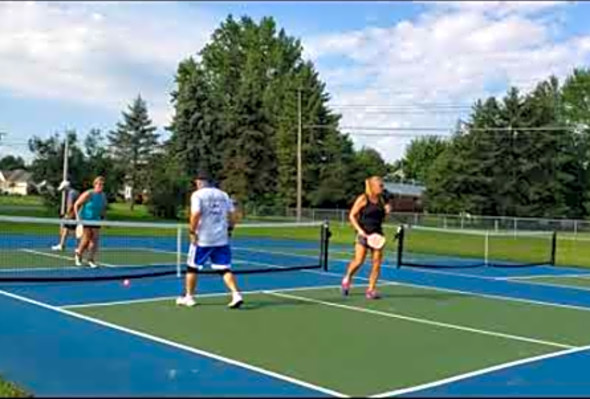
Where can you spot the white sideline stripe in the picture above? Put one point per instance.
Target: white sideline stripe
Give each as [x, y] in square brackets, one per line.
[534, 276]
[423, 321]
[487, 370]
[176, 345]
[571, 287]
[61, 256]
[210, 295]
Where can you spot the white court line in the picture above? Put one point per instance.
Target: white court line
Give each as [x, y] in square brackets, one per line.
[533, 276]
[176, 345]
[487, 370]
[210, 295]
[61, 256]
[571, 287]
[422, 321]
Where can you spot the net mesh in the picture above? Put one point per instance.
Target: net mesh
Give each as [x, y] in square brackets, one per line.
[447, 248]
[133, 250]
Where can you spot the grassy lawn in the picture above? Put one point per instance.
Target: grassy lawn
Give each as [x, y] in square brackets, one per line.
[9, 390]
[21, 200]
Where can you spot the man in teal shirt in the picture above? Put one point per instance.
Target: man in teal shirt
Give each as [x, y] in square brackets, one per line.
[90, 207]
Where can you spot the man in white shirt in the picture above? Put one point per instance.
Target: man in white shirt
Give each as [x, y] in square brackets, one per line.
[212, 219]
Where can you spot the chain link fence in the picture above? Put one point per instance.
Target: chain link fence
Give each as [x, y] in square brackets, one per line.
[470, 222]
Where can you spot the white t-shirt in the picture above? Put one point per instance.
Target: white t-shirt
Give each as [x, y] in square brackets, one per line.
[214, 206]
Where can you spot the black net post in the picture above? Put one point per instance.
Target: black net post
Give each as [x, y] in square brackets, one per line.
[400, 245]
[552, 261]
[325, 244]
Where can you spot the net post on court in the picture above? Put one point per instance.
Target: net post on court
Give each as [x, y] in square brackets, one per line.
[130, 250]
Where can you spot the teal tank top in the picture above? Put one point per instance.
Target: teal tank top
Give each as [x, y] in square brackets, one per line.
[92, 209]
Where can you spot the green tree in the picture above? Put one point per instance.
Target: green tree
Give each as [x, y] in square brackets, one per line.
[370, 163]
[47, 165]
[169, 187]
[11, 162]
[575, 112]
[99, 163]
[513, 158]
[420, 155]
[237, 111]
[132, 144]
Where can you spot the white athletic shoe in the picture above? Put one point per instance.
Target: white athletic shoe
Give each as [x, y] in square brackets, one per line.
[188, 301]
[77, 260]
[92, 264]
[236, 302]
[57, 248]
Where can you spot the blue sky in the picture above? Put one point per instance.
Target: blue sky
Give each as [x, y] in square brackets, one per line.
[75, 65]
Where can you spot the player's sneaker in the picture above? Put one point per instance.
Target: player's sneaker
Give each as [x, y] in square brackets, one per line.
[372, 294]
[77, 259]
[57, 248]
[236, 302]
[186, 300]
[92, 264]
[345, 287]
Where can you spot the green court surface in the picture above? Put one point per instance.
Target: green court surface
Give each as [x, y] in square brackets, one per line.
[357, 347]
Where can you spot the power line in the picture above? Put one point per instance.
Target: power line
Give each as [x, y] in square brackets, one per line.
[405, 106]
[441, 129]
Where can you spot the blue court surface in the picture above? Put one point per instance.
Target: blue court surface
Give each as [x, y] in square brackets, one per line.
[452, 332]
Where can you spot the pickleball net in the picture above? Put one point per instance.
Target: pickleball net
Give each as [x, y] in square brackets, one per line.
[452, 248]
[138, 249]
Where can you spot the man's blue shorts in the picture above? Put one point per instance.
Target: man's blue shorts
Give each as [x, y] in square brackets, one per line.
[220, 257]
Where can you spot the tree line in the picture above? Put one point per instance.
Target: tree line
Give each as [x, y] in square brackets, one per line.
[520, 155]
[236, 115]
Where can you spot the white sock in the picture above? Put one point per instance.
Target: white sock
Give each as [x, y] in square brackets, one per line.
[236, 296]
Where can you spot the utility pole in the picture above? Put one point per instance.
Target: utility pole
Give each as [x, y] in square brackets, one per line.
[65, 174]
[299, 172]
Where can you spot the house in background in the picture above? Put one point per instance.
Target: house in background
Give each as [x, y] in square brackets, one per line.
[406, 197]
[16, 182]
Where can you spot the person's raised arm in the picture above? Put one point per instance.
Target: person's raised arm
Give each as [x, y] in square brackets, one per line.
[80, 202]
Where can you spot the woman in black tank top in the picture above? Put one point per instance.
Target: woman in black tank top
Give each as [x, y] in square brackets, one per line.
[367, 216]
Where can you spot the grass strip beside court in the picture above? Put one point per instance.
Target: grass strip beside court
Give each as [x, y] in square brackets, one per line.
[10, 390]
[410, 337]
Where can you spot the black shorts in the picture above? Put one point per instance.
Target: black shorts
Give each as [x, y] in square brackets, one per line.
[89, 225]
[361, 240]
[69, 224]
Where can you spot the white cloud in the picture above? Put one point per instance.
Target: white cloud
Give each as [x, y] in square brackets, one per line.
[454, 53]
[88, 53]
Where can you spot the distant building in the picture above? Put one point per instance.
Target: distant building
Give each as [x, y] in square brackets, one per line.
[16, 182]
[406, 197]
